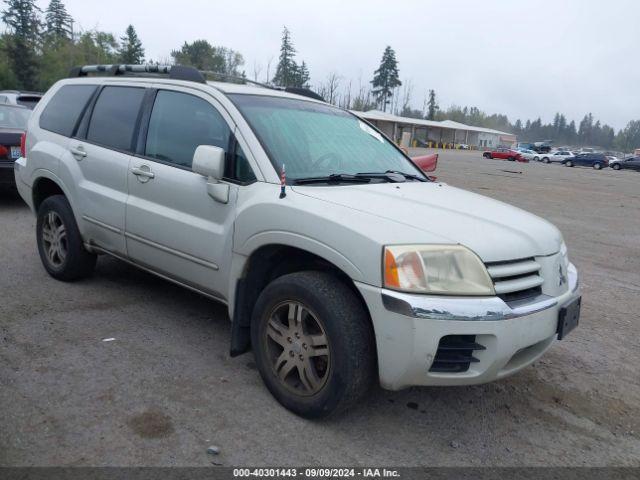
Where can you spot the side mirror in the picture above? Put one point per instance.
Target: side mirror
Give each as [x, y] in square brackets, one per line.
[208, 161]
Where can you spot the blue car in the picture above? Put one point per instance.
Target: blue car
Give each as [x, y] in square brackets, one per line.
[594, 160]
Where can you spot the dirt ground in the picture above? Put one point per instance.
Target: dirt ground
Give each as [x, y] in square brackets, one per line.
[165, 388]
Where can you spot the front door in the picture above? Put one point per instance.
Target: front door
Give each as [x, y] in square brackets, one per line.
[172, 224]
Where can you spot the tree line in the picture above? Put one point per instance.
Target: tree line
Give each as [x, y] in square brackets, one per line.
[40, 47]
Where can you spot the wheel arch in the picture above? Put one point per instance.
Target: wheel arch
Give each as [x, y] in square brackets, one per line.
[265, 264]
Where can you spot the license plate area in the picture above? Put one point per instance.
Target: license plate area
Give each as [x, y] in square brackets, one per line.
[15, 152]
[569, 317]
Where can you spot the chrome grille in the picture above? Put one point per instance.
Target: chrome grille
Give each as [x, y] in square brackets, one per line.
[516, 279]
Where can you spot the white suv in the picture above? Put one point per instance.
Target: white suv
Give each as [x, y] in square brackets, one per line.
[339, 260]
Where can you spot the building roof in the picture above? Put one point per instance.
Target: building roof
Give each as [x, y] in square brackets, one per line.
[449, 124]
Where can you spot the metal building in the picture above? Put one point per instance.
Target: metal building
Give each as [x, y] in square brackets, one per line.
[431, 133]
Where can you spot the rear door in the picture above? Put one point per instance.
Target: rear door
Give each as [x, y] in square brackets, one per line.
[173, 225]
[103, 149]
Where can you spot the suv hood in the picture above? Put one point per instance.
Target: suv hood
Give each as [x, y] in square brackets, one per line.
[494, 230]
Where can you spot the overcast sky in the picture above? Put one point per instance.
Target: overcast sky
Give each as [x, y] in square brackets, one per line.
[522, 58]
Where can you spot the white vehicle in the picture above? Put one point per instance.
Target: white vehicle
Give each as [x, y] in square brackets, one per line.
[556, 157]
[338, 260]
[530, 155]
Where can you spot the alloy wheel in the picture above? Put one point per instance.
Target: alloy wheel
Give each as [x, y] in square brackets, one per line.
[298, 348]
[54, 239]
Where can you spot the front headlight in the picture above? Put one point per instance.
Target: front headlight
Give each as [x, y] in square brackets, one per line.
[435, 269]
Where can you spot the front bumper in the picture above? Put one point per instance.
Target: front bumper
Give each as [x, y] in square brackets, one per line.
[409, 328]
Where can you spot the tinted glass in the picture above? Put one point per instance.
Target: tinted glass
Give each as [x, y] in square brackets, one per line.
[114, 117]
[63, 110]
[242, 169]
[179, 123]
[314, 139]
[28, 101]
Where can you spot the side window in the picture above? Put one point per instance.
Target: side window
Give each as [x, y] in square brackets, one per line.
[179, 123]
[65, 107]
[241, 169]
[114, 117]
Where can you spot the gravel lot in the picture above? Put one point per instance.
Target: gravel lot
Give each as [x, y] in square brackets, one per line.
[165, 389]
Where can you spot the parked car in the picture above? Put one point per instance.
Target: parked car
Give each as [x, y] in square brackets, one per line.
[463, 146]
[505, 154]
[16, 97]
[13, 123]
[529, 154]
[556, 157]
[594, 160]
[338, 260]
[632, 163]
[426, 163]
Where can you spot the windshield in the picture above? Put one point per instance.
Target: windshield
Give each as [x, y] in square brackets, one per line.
[12, 117]
[316, 140]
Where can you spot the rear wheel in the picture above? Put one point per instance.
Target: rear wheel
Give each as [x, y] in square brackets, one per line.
[616, 166]
[59, 242]
[569, 163]
[313, 343]
[512, 159]
[486, 155]
[536, 159]
[597, 166]
[546, 160]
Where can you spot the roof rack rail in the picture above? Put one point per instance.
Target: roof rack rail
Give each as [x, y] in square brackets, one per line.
[177, 72]
[181, 72]
[305, 92]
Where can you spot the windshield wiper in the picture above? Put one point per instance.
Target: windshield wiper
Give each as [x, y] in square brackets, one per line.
[333, 178]
[391, 176]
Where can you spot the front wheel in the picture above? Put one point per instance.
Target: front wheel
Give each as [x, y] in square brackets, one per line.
[597, 166]
[59, 242]
[536, 159]
[546, 160]
[569, 163]
[313, 343]
[615, 166]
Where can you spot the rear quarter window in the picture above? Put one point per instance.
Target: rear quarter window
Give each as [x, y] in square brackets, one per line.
[62, 112]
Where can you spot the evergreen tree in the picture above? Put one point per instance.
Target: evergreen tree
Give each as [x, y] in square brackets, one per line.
[58, 21]
[131, 51]
[432, 106]
[386, 78]
[21, 16]
[302, 77]
[287, 72]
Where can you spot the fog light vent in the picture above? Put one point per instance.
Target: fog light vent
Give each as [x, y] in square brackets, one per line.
[455, 354]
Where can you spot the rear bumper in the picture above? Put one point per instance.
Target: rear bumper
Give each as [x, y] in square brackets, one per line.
[409, 328]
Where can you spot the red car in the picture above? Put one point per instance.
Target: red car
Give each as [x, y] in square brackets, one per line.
[505, 154]
[427, 163]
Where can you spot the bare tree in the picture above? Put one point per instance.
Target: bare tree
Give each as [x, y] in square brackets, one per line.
[269, 69]
[407, 91]
[257, 68]
[329, 89]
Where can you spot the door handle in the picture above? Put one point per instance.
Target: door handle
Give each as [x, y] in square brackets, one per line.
[78, 152]
[143, 173]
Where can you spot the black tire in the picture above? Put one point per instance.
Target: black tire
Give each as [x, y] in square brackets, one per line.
[486, 155]
[77, 262]
[512, 159]
[597, 166]
[350, 366]
[568, 164]
[545, 159]
[615, 166]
